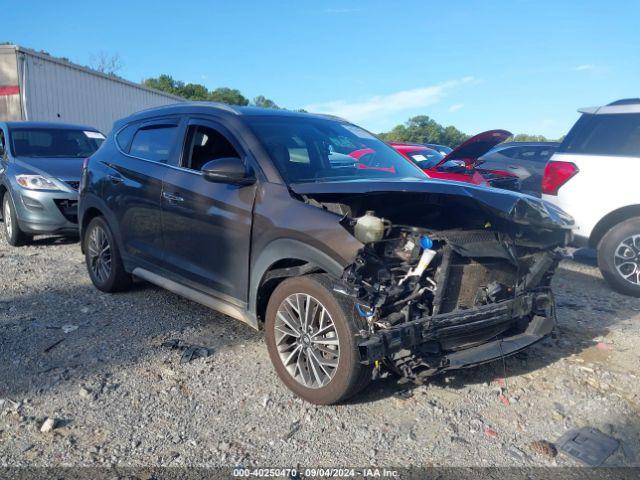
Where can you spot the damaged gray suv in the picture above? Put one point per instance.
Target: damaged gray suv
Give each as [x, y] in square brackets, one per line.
[350, 259]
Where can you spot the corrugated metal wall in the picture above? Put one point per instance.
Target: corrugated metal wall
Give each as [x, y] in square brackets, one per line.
[10, 108]
[57, 91]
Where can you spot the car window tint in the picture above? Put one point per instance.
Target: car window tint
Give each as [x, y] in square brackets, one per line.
[510, 152]
[125, 136]
[206, 144]
[154, 143]
[604, 135]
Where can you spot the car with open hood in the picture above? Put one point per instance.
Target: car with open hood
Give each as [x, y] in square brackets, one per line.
[39, 177]
[351, 273]
[462, 164]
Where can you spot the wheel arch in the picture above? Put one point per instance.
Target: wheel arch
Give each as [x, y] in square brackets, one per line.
[289, 258]
[92, 207]
[610, 220]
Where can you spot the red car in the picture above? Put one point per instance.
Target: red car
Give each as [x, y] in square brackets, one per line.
[462, 163]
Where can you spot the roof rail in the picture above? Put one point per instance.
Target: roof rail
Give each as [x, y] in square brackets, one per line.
[625, 101]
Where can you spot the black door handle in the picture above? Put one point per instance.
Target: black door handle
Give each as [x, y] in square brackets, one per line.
[115, 179]
[172, 197]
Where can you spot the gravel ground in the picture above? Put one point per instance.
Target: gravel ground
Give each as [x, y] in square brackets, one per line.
[94, 363]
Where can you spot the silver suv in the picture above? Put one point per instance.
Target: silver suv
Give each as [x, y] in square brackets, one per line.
[39, 177]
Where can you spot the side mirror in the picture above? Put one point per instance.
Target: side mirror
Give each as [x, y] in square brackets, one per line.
[227, 170]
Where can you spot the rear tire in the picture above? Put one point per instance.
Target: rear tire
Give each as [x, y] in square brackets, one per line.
[327, 367]
[102, 258]
[619, 257]
[12, 232]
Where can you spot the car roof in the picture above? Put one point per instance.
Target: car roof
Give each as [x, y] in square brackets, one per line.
[220, 109]
[527, 144]
[625, 105]
[50, 125]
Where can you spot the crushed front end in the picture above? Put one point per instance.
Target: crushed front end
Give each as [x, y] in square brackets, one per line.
[451, 285]
[480, 298]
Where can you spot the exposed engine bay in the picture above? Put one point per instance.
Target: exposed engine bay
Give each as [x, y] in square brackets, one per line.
[445, 285]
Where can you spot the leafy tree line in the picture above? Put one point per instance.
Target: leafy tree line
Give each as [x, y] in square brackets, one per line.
[423, 129]
[419, 129]
[196, 91]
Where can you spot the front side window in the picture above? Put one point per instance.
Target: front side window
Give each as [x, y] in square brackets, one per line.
[54, 143]
[308, 149]
[617, 134]
[205, 144]
[154, 143]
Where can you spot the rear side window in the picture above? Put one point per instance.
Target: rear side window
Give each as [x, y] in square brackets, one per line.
[154, 143]
[617, 134]
[125, 136]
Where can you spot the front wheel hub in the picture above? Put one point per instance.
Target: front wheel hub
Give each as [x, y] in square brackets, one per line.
[627, 259]
[307, 340]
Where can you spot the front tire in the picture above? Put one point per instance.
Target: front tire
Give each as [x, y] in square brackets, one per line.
[12, 232]
[311, 339]
[102, 258]
[619, 257]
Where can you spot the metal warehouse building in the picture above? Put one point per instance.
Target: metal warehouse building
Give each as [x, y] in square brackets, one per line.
[37, 87]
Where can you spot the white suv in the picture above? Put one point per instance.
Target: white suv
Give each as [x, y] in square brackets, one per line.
[594, 177]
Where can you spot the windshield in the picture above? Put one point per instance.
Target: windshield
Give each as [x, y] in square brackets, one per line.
[321, 150]
[425, 158]
[52, 143]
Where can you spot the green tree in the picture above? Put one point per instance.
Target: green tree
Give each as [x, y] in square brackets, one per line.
[195, 91]
[230, 96]
[164, 83]
[525, 137]
[423, 129]
[264, 102]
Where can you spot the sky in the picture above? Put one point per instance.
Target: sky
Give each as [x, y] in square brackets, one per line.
[522, 65]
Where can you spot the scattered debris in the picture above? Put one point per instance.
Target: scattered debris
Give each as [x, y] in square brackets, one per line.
[189, 352]
[68, 328]
[544, 447]
[295, 426]
[588, 445]
[403, 394]
[504, 400]
[53, 345]
[603, 346]
[490, 432]
[48, 425]
[85, 393]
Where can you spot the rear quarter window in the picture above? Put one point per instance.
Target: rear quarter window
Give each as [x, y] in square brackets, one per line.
[154, 143]
[615, 134]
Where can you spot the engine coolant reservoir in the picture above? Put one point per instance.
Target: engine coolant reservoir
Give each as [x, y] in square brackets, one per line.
[369, 228]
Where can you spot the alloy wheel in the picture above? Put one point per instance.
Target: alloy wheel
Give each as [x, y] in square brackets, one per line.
[627, 259]
[307, 340]
[99, 254]
[6, 215]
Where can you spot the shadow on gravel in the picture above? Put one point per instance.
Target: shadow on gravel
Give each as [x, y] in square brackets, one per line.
[105, 333]
[46, 241]
[584, 314]
[116, 331]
